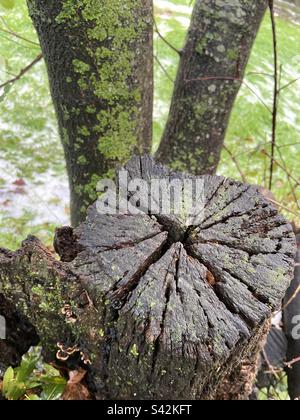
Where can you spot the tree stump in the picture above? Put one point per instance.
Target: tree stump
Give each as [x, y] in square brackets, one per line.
[154, 306]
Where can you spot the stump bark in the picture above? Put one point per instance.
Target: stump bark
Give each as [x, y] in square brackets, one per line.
[158, 306]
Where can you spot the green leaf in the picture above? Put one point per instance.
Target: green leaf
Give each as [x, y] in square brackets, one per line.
[7, 4]
[53, 391]
[8, 380]
[33, 397]
[28, 364]
[33, 373]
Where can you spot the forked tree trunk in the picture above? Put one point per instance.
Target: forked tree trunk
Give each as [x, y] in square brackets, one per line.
[210, 73]
[159, 307]
[99, 58]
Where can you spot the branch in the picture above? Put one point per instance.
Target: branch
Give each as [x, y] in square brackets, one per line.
[293, 362]
[22, 72]
[284, 208]
[6, 31]
[295, 295]
[276, 93]
[282, 167]
[289, 84]
[165, 40]
[235, 161]
[163, 69]
[292, 187]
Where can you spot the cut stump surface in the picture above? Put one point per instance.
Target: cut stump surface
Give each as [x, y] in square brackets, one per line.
[157, 307]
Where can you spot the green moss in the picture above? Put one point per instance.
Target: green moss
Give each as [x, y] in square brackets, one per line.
[117, 133]
[108, 69]
[80, 66]
[232, 54]
[84, 131]
[82, 161]
[65, 136]
[211, 159]
[134, 351]
[90, 109]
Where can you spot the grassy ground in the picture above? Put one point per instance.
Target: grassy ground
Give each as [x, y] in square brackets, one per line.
[33, 184]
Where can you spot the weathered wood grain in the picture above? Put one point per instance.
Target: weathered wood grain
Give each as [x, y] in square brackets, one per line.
[159, 307]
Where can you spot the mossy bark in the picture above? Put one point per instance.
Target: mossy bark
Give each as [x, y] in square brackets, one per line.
[154, 313]
[100, 64]
[211, 68]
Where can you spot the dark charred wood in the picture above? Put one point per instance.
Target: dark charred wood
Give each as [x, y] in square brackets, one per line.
[291, 320]
[20, 336]
[160, 307]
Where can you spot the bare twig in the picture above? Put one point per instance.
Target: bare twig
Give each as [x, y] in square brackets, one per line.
[258, 97]
[163, 68]
[282, 167]
[292, 187]
[289, 84]
[288, 145]
[295, 295]
[293, 362]
[7, 31]
[22, 72]
[165, 40]
[270, 366]
[257, 73]
[8, 73]
[235, 161]
[276, 93]
[284, 207]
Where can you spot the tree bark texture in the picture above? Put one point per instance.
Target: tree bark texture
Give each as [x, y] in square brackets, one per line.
[211, 70]
[156, 307]
[99, 58]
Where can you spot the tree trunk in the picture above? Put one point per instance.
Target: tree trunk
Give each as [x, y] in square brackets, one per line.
[211, 69]
[100, 65]
[148, 301]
